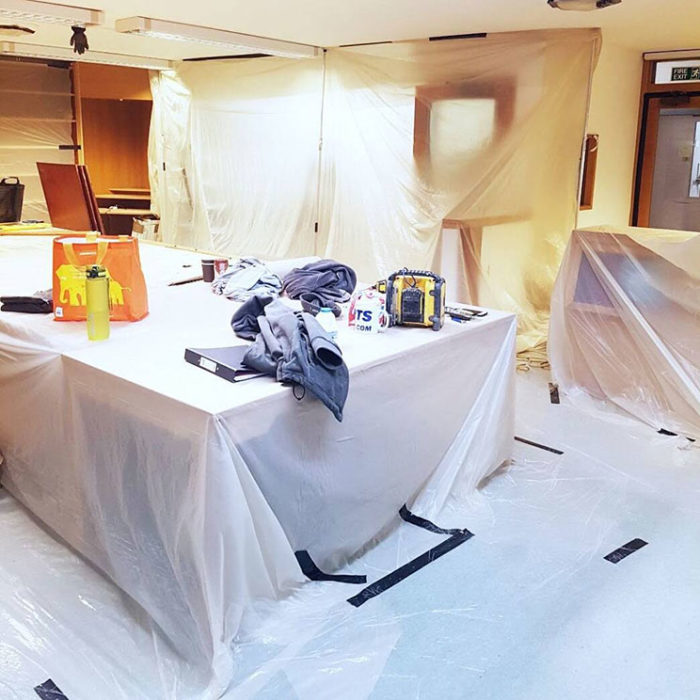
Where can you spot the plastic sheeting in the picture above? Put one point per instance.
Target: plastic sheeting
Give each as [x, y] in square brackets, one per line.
[169, 161]
[486, 132]
[192, 493]
[626, 323]
[527, 608]
[37, 118]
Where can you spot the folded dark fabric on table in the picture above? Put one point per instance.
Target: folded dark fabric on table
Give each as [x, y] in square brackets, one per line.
[39, 303]
[245, 320]
[323, 283]
[292, 347]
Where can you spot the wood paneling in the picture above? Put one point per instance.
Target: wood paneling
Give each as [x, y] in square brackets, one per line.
[590, 164]
[115, 142]
[112, 82]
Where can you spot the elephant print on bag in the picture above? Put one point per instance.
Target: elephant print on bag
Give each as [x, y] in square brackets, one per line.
[72, 291]
[72, 282]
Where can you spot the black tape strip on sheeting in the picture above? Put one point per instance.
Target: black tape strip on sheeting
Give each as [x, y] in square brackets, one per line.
[409, 517]
[553, 393]
[311, 571]
[48, 690]
[663, 431]
[406, 570]
[626, 549]
[553, 450]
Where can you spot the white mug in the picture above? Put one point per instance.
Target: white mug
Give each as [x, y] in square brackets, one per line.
[370, 315]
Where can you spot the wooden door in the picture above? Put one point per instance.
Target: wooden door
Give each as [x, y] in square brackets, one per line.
[655, 105]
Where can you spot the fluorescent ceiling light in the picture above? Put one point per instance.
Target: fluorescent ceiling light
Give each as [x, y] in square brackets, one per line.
[36, 11]
[175, 31]
[9, 48]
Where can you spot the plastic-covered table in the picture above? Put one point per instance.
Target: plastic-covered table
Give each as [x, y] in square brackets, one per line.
[193, 493]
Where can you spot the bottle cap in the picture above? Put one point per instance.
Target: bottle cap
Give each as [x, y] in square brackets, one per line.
[94, 271]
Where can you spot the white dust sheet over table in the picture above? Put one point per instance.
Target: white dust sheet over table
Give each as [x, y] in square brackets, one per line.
[193, 493]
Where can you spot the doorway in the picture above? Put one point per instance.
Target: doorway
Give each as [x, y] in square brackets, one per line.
[668, 176]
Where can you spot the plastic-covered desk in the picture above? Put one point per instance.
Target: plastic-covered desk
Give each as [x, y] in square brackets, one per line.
[192, 493]
[625, 323]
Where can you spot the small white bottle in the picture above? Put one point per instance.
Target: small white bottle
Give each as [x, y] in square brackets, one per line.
[326, 320]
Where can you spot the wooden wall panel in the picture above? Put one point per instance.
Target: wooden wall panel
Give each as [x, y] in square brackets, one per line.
[112, 82]
[115, 142]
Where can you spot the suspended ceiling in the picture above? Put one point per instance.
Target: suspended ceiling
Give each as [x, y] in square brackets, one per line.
[638, 24]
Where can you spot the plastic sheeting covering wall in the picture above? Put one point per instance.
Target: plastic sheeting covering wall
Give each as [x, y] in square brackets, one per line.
[35, 119]
[486, 132]
[626, 323]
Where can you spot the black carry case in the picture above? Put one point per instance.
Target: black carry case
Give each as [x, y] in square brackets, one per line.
[11, 199]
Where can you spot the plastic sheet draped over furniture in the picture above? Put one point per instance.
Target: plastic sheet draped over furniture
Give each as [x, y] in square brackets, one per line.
[36, 119]
[486, 132]
[626, 323]
[192, 493]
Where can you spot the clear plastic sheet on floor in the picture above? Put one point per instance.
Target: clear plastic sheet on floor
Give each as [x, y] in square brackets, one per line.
[527, 608]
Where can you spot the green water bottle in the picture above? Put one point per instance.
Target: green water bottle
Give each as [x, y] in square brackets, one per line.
[97, 298]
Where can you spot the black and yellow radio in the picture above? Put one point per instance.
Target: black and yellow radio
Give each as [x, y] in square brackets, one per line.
[415, 298]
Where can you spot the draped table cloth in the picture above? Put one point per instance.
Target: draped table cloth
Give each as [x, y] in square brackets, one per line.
[192, 493]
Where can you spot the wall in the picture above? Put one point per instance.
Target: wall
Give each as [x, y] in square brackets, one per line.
[112, 82]
[613, 116]
[115, 143]
[114, 110]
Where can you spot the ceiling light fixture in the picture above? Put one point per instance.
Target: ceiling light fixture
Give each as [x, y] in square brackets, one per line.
[582, 5]
[36, 11]
[57, 53]
[220, 38]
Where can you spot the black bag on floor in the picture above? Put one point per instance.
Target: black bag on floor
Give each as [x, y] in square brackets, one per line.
[11, 199]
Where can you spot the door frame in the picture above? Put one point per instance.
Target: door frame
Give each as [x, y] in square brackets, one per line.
[648, 124]
[653, 103]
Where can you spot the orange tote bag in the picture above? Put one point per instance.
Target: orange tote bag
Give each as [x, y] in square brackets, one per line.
[128, 299]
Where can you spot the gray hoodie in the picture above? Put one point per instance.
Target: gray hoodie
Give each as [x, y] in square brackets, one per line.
[292, 347]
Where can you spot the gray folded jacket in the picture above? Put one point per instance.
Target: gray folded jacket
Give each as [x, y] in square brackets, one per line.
[292, 347]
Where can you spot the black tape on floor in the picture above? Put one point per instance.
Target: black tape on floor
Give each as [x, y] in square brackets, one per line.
[624, 551]
[553, 393]
[409, 517]
[553, 450]
[406, 570]
[48, 690]
[312, 571]
[663, 431]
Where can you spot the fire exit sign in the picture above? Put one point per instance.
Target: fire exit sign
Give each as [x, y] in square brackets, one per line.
[685, 73]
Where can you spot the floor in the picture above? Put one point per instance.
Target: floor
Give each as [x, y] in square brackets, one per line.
[527, 608]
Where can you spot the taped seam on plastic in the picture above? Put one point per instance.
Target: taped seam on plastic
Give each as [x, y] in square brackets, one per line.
[311, 571]
[457, 537]
[553, 450]
[48, 690]
[623, 552]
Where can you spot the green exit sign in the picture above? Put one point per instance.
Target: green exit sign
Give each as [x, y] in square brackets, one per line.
[685, 73]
